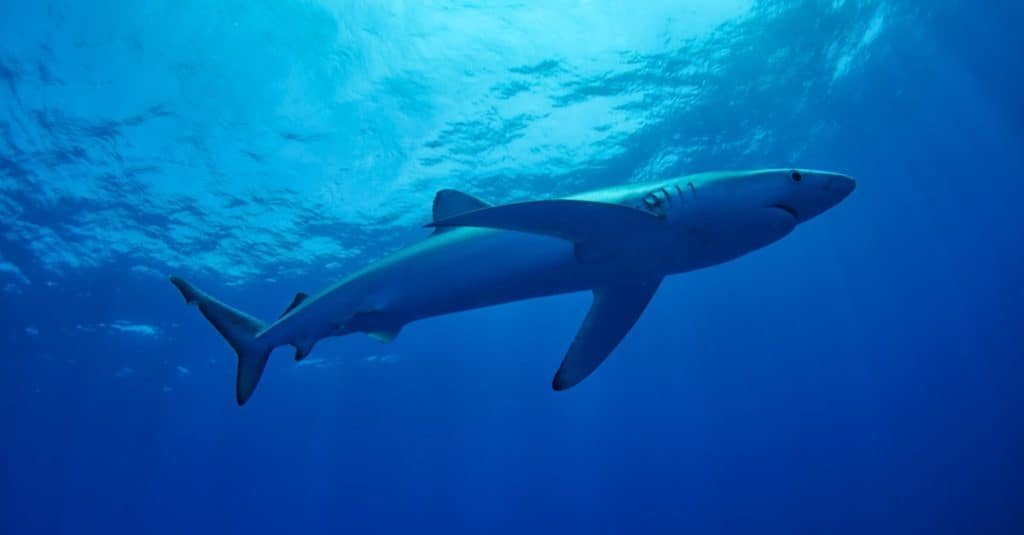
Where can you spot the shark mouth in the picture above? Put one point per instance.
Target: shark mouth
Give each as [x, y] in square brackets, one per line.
[788, 209]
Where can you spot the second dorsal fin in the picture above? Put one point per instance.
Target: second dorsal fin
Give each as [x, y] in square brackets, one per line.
[449, 203]
[299, 298]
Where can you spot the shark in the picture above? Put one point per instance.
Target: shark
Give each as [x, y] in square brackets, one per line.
[618, 243]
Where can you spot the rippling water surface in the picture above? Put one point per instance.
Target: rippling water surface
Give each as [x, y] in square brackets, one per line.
[863, 375]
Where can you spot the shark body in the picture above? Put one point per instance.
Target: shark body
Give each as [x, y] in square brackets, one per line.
[618, 243]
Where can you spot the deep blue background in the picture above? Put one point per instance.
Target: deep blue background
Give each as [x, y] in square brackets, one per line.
[866, 374]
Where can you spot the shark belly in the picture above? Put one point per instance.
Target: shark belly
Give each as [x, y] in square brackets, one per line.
[476, 269]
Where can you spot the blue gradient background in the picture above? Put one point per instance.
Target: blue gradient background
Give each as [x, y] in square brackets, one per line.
[863, 375]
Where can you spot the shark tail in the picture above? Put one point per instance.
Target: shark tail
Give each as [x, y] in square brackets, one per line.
[239, 329]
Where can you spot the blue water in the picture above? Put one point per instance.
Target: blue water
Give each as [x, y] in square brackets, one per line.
[864, 375]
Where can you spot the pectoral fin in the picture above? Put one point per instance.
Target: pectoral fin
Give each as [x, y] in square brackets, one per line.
[614, 311]
[384, 336]
[574, 220]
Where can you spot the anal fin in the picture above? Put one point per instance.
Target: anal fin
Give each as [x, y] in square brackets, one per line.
[303, 348]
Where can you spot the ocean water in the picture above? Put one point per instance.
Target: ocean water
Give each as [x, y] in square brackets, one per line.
[863, 375]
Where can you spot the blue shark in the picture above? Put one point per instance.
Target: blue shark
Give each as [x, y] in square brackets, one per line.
[618, 243]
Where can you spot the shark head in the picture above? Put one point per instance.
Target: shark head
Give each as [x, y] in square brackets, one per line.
[803, 194]
[733, 213]
[797, 194]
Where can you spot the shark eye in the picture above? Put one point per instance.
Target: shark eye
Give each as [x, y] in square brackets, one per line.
[796, 176]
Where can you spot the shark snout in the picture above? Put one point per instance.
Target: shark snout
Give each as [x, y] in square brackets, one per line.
[836, 188]
[841, 184]
[816, 192]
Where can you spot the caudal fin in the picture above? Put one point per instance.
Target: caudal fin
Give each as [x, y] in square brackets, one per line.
[239, 329]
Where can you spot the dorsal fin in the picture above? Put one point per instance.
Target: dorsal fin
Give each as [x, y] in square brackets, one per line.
[299, 298]
[449, 203]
